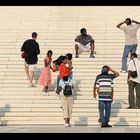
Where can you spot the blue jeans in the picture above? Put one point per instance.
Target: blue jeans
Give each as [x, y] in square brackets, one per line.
[127, 49]
[105, 111]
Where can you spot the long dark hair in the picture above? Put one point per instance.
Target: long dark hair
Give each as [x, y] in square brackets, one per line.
[59, 60]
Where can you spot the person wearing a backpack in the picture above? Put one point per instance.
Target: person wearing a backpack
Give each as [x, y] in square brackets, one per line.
[104, 87]
[133, 82]
[67, 99]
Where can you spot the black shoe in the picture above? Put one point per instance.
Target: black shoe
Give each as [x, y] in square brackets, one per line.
[106, 125]
[76, 55]
[130, 107]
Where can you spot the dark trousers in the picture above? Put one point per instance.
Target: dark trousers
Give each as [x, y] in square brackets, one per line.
[131, 98]
[57, 86]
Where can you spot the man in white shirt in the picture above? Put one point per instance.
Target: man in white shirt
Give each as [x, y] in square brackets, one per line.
[134, 83]
[130, 31]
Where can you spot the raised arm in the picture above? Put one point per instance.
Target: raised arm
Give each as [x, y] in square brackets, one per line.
[135, 22]
[115, 72]
[118, 26]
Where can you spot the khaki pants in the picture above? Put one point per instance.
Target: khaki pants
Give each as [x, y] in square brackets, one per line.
[67, 104]
[131, 98]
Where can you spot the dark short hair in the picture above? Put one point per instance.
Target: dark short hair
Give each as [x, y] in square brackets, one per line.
[82, 30]
[129, 20]
[69, 56]
[34, 34]
[105, 70]
[134, 54]
[65, 78]
[50, 51]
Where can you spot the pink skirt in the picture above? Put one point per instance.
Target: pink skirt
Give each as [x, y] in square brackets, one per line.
[45, 77]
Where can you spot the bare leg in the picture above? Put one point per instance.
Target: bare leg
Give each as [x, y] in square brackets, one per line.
[27, 72]
[66, 120]
[92, 47]
[76, 48]
[92, 50]
[46, 88]
[31, 76]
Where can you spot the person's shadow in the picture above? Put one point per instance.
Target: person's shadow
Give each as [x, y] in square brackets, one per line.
[4, 110]
[116, 106]
[82, 121]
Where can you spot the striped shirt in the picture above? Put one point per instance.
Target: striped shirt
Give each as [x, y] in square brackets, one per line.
[105, 84]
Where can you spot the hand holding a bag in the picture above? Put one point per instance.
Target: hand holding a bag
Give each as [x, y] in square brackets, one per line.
[24, 54]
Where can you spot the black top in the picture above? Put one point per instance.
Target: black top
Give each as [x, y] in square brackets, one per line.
[32, 48]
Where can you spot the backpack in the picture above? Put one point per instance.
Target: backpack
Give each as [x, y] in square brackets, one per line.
[67, 91]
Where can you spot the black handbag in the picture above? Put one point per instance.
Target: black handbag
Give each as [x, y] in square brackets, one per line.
[134, 74]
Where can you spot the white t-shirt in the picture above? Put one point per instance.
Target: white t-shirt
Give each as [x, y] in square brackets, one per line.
[131, 67]
[130, 33]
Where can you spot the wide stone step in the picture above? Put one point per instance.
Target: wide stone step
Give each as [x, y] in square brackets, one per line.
[59, 114]
[78, 123]
[119, 106]
[39, 108]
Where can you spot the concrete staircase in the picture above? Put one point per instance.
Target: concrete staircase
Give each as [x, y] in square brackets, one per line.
[57, 28]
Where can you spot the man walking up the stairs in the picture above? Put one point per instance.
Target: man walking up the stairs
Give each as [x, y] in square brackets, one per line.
[104, 87]
[31, 47]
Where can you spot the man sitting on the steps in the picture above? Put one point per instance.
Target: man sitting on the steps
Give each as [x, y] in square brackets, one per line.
[84, 42]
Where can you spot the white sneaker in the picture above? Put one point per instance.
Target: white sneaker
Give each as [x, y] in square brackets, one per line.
[46, 93]
[123, 71]
[66, 125]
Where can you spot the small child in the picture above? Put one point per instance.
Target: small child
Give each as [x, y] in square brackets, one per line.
[69, 64]
[55, 68]
[45, 77]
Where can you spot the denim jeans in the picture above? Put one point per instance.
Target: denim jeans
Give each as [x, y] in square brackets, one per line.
[127, 49]
[104, 111]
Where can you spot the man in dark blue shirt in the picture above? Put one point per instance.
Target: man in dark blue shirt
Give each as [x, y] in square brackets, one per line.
[31, 47]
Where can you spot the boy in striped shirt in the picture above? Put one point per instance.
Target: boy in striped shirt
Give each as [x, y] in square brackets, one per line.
[104, 87]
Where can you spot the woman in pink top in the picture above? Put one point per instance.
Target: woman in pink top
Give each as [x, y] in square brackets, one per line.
[45, 77]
